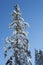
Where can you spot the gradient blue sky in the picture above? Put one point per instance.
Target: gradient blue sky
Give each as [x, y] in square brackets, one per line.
[32, 12]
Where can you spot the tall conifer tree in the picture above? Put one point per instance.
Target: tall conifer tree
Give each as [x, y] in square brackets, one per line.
[18, 42]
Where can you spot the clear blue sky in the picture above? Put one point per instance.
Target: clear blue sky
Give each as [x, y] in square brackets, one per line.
[32, 12]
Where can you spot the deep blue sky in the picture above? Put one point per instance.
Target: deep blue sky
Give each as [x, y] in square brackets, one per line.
[32, 12]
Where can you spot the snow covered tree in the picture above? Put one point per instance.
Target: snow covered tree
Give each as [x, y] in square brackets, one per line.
[38, 57]
[18, 42]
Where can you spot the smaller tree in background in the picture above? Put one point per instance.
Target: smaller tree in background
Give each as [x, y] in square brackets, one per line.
[17, 44]
[38, 57]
